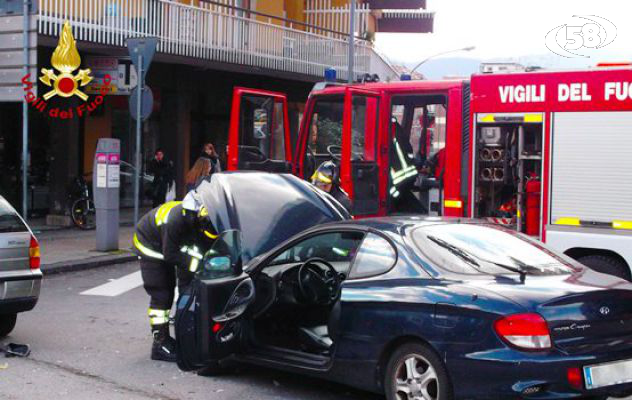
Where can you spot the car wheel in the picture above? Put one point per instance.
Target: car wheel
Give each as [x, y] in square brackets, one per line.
[7, 323]
[415, 372]
[607, 265]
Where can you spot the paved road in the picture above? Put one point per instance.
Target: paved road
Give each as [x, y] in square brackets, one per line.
[97, 347]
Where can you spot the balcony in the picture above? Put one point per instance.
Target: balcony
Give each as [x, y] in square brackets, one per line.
[406, 21]
[397, 4]
[209, 32]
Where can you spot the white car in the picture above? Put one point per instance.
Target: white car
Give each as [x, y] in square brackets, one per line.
[20, 274]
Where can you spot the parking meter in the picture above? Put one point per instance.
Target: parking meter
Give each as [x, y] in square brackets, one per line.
[106, 182]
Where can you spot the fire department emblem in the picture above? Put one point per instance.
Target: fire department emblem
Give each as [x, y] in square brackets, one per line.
[66, 60]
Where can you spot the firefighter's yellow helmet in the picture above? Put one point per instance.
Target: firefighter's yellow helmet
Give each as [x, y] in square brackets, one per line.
[205, 223]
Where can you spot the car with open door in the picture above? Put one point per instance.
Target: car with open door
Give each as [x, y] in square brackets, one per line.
[415, 308]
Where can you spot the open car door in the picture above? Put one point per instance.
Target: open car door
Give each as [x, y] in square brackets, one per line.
[209, 316]
[359, 171]
[259, 135]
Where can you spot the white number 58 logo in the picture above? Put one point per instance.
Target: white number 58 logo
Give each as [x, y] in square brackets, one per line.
[565, 40]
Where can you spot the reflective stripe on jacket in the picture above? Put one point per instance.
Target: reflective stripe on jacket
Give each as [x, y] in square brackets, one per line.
[150, 231]
[402, 172]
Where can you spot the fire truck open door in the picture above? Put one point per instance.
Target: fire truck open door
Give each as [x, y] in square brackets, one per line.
[359, 171]
[259, 135]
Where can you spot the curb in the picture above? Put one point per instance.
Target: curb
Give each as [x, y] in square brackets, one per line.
[52, 228]
[88, 263]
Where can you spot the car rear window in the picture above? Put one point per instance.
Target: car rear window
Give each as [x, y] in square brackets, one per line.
[9, 219]
[487, 249]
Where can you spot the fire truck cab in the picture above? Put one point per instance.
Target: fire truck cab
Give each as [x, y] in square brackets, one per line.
[546, 153]
[391, 141]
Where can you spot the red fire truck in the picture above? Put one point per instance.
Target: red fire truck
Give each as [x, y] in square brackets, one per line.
[546, 153]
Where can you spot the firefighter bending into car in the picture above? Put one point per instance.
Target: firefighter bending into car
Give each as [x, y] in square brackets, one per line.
[170, 241]
[327, 179]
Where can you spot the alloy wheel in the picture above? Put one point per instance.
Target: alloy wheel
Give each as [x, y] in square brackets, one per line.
[416, 379]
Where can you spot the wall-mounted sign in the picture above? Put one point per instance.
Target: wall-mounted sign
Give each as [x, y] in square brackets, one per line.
[64, 82]
[123, 76]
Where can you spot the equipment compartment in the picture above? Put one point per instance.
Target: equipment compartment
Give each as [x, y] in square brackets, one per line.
[508, 170]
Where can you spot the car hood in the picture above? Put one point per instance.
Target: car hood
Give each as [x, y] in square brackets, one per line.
[267, 208]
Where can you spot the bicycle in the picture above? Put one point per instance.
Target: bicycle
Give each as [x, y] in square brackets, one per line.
[82, 210]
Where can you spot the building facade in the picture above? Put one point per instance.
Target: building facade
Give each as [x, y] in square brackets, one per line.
[205, 49]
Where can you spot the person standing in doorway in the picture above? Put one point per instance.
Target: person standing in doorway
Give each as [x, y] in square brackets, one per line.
[162, 171]
[208, 152]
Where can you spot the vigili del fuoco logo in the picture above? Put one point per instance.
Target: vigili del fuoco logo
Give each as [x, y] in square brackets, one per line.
[65, 83]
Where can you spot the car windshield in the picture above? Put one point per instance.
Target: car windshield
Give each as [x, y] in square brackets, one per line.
[487, 249]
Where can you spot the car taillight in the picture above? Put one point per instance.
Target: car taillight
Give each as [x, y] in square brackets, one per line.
[526, 331]
[34, 253]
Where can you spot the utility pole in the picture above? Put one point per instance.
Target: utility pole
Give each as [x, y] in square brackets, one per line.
[25, 111]
[139, 124]
[352, 8]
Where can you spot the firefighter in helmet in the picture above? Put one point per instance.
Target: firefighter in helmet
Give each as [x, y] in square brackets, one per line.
[170, 241]
[326, 178]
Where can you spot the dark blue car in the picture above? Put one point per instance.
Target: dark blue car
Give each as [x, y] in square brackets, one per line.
[409, 307]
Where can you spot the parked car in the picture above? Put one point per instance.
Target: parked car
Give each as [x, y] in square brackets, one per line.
[20, 275]
[413, 308]
[127, 171]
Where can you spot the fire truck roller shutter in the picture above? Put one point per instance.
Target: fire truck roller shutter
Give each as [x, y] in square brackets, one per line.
[591, 178]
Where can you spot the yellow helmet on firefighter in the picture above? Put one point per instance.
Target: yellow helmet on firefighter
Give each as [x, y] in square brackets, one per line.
[326, 174]
[205, 224]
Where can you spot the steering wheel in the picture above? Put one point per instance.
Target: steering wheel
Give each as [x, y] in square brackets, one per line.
[252, 151]
[336, 156]
[316, 284]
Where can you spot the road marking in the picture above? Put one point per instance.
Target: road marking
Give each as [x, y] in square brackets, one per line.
[117, 287]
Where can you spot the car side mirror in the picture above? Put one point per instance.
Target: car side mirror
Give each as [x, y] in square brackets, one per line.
[218, 265]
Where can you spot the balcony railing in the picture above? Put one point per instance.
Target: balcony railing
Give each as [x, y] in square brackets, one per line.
[208, 32]
[322, 13]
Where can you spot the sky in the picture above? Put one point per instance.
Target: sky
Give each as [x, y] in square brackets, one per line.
[511, 30]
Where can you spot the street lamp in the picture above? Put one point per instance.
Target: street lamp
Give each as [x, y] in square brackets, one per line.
[469, 48]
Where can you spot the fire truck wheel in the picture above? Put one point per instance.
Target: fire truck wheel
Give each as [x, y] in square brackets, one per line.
[607, 265]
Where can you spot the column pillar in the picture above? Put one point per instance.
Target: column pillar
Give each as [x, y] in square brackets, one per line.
[64, 166]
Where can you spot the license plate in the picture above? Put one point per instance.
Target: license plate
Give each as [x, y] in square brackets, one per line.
[608, 374]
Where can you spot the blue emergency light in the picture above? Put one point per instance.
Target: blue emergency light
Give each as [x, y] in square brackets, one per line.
[405, 77]
[330, 75]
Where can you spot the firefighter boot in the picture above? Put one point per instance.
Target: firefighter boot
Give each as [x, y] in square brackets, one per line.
[164, 346]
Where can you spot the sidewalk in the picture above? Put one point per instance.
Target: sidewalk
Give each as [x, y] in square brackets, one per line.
[73, 249]
[66, 249]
